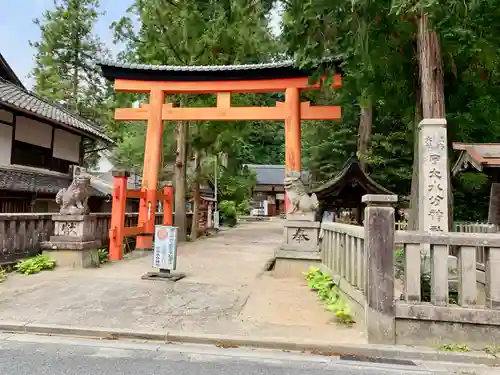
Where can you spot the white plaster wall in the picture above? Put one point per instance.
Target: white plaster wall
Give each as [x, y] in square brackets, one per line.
[66, 145]
[6, 116]
[33, 132]
[5, 143]
[103, 164]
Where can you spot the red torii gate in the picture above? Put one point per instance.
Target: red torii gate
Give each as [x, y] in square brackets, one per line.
[157, 81]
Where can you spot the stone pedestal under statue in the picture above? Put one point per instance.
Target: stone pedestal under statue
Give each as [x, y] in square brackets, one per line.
[300, 247]
[74, 243]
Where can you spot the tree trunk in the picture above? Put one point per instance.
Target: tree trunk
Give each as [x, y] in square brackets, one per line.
[432, 83]
[431, 71]
[180, 179]
[365, 132]
[413, 217]
[196, 196]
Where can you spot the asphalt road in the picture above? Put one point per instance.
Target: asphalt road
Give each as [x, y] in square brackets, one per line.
[46, 355]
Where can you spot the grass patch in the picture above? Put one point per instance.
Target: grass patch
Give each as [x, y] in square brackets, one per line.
[493, 350]
[457, 348]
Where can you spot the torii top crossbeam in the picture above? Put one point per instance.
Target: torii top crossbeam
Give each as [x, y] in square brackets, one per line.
[222, 81]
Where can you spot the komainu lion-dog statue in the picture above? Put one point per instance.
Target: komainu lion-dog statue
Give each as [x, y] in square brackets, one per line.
[300, 201]
[73, 199]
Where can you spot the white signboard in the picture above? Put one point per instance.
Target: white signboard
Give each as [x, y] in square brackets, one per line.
[165, 251]
[216, 219]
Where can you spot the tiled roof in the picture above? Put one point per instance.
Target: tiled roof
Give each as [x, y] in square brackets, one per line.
[351, 172]
[36, 182]
[268, 174]
[7, 73]
[482, 153]
[477, 155]
[18, 98]
[274, 70]
[200, 68]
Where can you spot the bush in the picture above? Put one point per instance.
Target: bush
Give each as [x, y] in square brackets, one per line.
[2, 275]
[243, 208]
[34, 265]
[228, 212]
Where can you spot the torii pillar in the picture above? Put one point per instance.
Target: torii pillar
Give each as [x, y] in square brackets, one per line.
[152, 159]
[293, 144]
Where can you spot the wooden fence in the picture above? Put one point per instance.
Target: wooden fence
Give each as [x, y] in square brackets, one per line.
[426, 306]
[21, 234]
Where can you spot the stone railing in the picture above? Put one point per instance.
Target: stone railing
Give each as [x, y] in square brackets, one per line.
[401, 225]
[466, 227]
[21, 234]
[342, 252]
[463, 227]
[431, 303]
[466, 310]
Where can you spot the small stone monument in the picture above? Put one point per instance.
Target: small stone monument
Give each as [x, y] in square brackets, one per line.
[301, 232]
[74, 243]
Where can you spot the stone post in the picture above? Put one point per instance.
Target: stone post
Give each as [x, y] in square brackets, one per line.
[379, 255]
[494, 209]
[433, 176]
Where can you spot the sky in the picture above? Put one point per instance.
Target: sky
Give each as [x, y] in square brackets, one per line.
[17, 29]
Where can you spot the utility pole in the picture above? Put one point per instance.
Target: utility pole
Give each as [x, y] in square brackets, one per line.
[216, 211]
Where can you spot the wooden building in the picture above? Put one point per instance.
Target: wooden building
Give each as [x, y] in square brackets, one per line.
[39, 143]
[269, 193]
[482, 157]
[340, 198]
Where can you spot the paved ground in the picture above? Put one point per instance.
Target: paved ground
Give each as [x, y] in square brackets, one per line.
[226, 291]
[28, 355]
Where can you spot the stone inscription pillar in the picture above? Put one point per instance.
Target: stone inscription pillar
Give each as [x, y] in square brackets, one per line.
[433, 176]
[494, 209]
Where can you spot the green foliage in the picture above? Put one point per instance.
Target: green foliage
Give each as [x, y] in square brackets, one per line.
[34, 265]
[2, 274]
[328, 293]
[243, 208]
[65, 63]
[203, 33]
[65, 68]
[103, 256]
[472, 192]
[228, 212]
[377, 45]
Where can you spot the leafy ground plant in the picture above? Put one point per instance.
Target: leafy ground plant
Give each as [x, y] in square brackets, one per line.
[329, 293]
[459, 348]
[2, 275]
[103, 256]
[34, 265]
